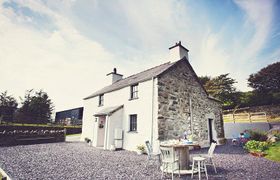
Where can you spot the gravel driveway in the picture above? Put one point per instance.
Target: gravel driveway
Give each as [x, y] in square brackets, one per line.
[76, 160]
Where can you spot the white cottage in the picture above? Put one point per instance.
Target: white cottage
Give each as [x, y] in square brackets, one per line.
[157, 104]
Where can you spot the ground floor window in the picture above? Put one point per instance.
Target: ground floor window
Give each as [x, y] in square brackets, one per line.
[133, 122]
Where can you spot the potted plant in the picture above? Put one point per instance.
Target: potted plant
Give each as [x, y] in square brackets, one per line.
[140, 149]
[256, 148]
[88, 141]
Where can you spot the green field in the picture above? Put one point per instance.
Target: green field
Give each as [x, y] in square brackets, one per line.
[273, 153]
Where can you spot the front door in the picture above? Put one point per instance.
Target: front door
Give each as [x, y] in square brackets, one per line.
[101, 131]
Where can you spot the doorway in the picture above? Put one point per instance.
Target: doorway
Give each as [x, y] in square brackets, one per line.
[211, 131]
[101, 131]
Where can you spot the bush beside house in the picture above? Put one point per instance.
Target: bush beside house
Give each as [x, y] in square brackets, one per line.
[262, 143]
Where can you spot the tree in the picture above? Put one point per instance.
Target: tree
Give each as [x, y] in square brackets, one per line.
[222, 88]
[8, 105]
[36, 107]
[204, 79]
[267, 80]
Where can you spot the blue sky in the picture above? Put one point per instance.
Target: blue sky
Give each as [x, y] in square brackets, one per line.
[67, 47]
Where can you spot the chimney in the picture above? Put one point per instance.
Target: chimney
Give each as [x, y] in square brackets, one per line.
[177, 52]
[115, 76]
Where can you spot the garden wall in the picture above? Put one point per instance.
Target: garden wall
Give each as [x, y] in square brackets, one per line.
[19, 135]
[234, 129]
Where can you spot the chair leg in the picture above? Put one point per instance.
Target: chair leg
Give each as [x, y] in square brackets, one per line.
[162, 170]
[214, 165]
[159, 162]
[205, 169]
[192, 168]
[148, 160]
[172, 170]
[198, 163]
[179, 168]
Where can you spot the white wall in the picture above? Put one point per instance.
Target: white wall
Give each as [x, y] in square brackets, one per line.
[141, 106]
[88, 121]
[234, 129]
[114, 121]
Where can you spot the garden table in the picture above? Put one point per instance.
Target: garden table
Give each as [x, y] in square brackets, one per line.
[184, 158]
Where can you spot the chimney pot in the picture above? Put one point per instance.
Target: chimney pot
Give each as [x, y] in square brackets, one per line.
[114, 76]
[177, 52]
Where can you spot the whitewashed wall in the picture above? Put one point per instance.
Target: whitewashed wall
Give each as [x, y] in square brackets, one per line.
[141, 106]
[88, 120]
[114, 121]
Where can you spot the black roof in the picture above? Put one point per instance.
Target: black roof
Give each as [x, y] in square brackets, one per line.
[134, 79]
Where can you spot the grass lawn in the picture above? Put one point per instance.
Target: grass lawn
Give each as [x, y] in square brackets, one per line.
[273, 153]
[74, 134]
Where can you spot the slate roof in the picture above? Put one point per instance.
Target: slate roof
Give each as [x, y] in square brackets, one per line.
[108, 110]
[144, 76]
[134, 79]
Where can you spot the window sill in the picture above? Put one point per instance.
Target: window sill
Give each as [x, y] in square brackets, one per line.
[133, 99]
[134, 132]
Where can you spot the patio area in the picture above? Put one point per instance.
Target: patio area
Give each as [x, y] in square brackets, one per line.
[76, 160]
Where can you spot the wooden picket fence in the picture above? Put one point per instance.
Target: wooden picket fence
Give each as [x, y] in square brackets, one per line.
[246, 117]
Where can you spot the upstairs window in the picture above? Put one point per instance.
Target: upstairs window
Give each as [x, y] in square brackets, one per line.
[133, 122]
[101, 100]
[134, 91]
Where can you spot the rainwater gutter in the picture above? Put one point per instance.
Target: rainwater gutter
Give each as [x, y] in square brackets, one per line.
[153, 95]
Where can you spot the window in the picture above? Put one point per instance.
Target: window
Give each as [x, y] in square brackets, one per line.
[101, 100]
[134, 91]
[133, 122]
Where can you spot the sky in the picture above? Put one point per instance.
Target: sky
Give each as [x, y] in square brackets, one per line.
[67, 47]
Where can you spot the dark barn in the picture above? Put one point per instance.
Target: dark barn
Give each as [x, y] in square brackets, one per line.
[70, 117]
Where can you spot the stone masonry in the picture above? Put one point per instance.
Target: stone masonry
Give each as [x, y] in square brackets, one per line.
[175, 87]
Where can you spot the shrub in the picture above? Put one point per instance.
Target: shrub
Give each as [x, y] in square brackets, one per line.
[276, 133]
[263, 146]
[141, 148]
[252, 145]
[257, 135]
[256, 146]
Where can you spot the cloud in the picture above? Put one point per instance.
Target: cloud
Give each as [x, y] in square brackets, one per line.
[62, 62]
[67, 47]
[259, 14]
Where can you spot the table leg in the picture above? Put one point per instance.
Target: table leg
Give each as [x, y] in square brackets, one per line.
[184, 158]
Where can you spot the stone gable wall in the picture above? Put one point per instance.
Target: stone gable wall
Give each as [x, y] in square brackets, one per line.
[175, 87]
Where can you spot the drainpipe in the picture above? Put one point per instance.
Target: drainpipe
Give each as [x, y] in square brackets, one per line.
[153, 94]
[191, 116]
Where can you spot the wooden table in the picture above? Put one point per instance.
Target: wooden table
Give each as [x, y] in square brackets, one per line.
[184, 157]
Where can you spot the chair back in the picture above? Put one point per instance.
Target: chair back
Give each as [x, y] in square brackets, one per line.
[167, 154]
[149, 148]
[211, 149]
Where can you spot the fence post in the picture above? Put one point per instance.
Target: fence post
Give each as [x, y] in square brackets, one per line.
[250, 117]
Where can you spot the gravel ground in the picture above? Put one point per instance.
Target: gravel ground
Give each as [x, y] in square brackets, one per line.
[76, 160]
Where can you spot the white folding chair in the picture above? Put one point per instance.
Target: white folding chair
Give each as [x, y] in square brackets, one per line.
[152, 156]
[209, 156]
[169, 160]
